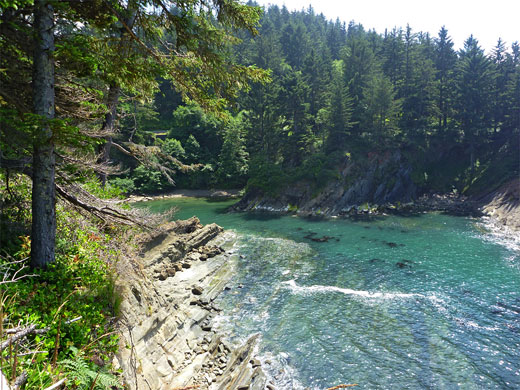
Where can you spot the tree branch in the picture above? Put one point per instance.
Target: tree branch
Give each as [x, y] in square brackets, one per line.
[21, 334]
[103, 212]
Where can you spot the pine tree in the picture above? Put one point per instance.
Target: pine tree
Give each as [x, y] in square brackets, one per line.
[501, 76]
[339, 109]
[383, 109]
[359, 65]
[195, 63]
[43, 235]
[445, 64]
[474, 85]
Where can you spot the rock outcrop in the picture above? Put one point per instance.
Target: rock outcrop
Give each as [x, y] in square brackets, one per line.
[503, 205]
[167, 340]
[384, 183]
[380, 179]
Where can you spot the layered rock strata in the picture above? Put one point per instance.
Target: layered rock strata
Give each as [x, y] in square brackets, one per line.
[167, 336]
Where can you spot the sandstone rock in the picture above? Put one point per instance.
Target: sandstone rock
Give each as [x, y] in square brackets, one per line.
[164, 323]
[255, 363]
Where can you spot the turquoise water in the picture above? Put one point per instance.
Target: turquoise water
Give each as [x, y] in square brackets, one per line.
[424, 302]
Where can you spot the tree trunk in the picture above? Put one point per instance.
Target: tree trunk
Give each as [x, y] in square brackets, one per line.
[109, 125]
[114, 92]
[472, 159]
[43, 195]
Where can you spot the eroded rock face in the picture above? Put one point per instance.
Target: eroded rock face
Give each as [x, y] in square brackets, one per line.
[382, 178]
[503, 205]
[168, 340]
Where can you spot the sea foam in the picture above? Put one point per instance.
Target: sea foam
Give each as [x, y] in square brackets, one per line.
[291, 284]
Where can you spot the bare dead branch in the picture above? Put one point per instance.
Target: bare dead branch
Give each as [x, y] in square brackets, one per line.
[57, 385]
[106, 210]
[6, 270]
[21, 334]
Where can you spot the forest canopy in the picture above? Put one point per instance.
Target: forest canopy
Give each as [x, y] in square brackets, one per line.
[339, 89]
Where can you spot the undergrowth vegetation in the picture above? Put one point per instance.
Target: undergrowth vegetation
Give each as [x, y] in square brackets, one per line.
[68, 311]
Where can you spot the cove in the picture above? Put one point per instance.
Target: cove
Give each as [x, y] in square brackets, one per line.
[428, 301]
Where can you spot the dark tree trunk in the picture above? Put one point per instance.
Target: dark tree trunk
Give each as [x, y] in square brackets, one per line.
[109, 125]
[114, 92]
[43, 192]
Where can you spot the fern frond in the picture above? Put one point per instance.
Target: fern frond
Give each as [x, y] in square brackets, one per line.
[83, 375]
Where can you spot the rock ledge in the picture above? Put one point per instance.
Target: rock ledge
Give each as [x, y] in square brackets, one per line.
[167, 340]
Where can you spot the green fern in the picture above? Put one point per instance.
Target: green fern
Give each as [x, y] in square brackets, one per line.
[83, 375]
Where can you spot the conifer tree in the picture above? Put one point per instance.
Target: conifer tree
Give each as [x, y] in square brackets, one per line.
[445, 66]
[474, 85]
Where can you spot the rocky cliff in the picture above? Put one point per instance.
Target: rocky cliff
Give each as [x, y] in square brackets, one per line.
[387, 182]
[379, 179]
[167, 336]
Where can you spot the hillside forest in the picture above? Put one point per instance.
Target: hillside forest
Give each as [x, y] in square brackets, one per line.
[338, 91]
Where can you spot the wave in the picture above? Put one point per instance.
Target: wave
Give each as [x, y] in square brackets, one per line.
[499, 234]
[366, 294]
[281, 373]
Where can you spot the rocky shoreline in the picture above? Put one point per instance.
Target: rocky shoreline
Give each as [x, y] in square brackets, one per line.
[502, 206]
[167, 336]
[448, 203]
[168, 340]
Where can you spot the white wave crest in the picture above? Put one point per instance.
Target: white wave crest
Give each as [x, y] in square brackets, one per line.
[499, 234]
[366, 294]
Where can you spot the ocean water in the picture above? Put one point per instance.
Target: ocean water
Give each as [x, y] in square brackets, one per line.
[424, 302]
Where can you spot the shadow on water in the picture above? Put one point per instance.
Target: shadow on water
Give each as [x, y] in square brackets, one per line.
[316, 218]
[367, 218]
[221, 199]
[221, 210]
[262, 216]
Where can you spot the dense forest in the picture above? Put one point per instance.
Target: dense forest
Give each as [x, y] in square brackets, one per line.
[338, 91]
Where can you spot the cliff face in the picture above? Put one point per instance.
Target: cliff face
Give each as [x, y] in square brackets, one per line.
[388, 182]
[379, 179]
[167, 340]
